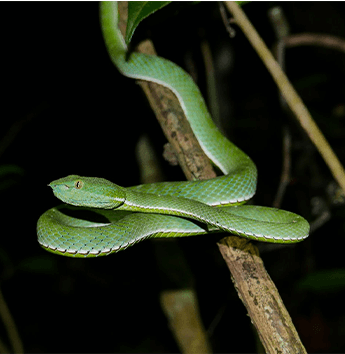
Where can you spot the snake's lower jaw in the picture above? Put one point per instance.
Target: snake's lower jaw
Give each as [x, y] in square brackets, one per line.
[59, 196]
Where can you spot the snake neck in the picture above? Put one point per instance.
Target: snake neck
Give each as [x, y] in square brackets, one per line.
[170, 205]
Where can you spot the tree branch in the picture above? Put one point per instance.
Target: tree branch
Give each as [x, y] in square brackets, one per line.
[260, 296]
[249, 267]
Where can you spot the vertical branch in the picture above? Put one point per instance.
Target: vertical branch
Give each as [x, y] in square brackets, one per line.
[254, 285]
[260, 296]
[10, 326]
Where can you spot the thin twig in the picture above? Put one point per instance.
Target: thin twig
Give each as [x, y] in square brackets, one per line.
[231, 31]
[282, 29]
[3, 347]
[212, 95]
[292, 98]
[315, 39]
[285, 174]
[10, 326]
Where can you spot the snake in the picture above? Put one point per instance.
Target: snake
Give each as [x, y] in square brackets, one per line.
[99, 217]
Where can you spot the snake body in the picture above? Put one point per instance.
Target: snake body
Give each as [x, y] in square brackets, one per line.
[166, 209]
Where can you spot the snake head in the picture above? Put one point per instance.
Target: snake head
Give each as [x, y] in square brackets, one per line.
[90, 192]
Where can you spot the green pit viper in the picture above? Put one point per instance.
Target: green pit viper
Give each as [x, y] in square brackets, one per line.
[166, 209]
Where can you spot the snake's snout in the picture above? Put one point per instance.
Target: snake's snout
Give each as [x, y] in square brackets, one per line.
[54, 186]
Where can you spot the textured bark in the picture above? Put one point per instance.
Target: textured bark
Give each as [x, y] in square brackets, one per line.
[260, 296]
[254, 286]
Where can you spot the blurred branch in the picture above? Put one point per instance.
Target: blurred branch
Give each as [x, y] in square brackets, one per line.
[3, 347]
[10, 326]
[226, 21]
[211, 85]
[282, 29]
[314, 39]
[182, 310]
[292, 98]
[285, 174]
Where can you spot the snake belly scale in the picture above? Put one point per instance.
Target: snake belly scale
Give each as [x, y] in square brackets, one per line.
[165, 209]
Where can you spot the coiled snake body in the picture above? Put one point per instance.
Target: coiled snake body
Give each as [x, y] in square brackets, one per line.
[167, 209]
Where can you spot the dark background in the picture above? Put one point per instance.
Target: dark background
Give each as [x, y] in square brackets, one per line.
[66, 110]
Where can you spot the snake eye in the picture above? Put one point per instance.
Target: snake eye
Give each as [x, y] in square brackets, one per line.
[78, 184]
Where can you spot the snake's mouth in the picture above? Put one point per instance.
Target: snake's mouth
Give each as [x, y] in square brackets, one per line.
[54, 185]
[58, 188]
[85, 214]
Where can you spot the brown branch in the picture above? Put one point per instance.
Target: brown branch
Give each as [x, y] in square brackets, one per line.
[196, 165]
[314, 39]
[170, 115]
[180, 306]
[260, 296]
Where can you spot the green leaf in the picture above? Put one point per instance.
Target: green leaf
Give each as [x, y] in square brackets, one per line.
[137, 11]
